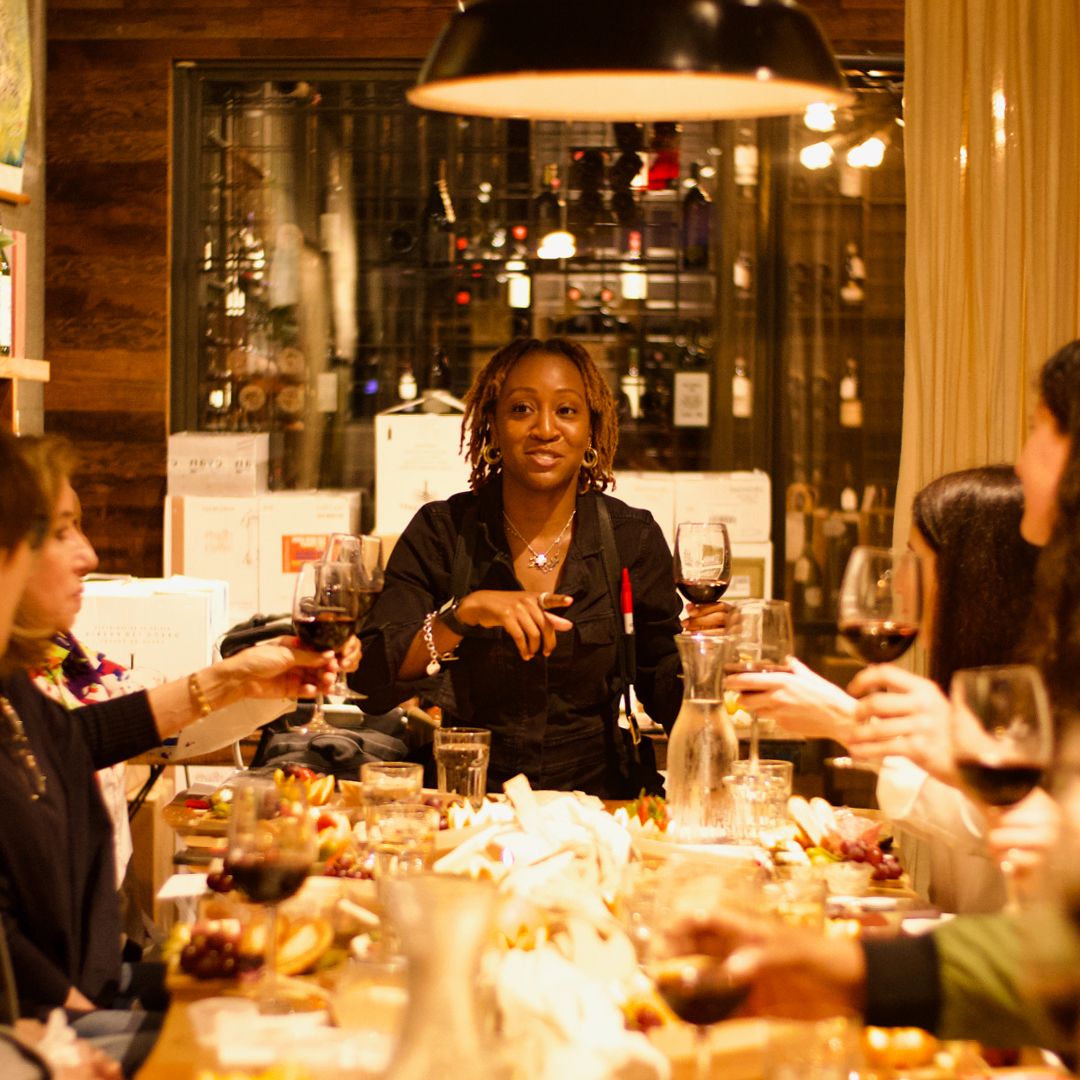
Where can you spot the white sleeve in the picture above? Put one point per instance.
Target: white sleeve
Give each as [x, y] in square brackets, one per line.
[929, 808]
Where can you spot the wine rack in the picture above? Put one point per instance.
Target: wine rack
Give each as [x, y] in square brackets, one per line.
[330, 240]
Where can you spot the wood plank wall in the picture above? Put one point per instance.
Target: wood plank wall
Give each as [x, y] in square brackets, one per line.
[107, 207]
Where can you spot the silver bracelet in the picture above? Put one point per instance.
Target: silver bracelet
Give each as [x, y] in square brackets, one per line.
[437, 658]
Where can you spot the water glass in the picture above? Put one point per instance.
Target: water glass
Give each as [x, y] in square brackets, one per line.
[461, 757]
[799, 896]
[391, 782]
[402, 837]
[828, 1049]
[775, 778]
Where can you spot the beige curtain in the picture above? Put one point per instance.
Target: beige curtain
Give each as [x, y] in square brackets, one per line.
[992, 150]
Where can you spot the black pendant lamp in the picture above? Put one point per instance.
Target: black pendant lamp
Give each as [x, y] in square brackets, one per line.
[629, 60]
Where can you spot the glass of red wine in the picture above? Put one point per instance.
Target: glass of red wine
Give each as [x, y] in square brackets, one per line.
[365, 555]
[702, 561]
[271, 847]
[326, 604]
[692, 899]
[1002, 738]
[880, 603]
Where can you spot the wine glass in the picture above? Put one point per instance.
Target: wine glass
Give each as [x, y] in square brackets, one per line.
[326, 604]
[702, 561]
[365, 555]
[880, 603]
[696, 985]
[764, 639]
[271, 847]
[1001, 738]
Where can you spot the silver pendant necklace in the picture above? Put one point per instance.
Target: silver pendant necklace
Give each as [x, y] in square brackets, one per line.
[544, 561]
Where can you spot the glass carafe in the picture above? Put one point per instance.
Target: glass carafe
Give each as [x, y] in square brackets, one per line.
[442, 923]
[703, 743]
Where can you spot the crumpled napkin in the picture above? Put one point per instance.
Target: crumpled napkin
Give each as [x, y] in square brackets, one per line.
[58, 1044]
[562, 1024]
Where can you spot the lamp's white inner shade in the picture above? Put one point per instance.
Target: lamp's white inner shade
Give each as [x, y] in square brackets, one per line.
[622, 95]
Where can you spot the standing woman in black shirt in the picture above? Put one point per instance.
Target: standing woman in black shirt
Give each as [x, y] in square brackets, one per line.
[507, 585]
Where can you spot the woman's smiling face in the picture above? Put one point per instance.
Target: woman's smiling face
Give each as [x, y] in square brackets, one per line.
[542, 423]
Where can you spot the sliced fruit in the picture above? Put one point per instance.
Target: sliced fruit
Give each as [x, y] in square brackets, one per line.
[304, 943]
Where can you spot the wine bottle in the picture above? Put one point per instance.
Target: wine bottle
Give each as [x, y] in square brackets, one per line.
[696, 222]
[851, 410]
[808, 597]
[216, 388]
[547, 208]
[290, 391]
[6, 303]
[632, 383]
[841, 531]
[852, 290]
[742, 275]
[406, 386]
[742, 391]
[439, 221]
[663, 172]
[439, 375]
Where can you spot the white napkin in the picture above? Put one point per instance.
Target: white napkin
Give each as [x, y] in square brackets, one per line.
[561, 1023]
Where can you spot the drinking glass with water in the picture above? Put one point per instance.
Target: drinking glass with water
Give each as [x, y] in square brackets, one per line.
[461, 757]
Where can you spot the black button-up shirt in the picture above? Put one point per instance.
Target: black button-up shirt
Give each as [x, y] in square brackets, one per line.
[553, 718]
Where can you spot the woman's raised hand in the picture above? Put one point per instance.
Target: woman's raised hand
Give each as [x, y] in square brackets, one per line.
[281, 668]
[799, 700]
[905, 714]
[525, 615]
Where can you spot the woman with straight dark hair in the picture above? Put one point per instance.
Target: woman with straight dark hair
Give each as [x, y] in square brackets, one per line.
[977, 584]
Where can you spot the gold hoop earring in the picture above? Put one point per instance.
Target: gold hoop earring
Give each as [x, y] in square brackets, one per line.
[491, 454]
[590, 458]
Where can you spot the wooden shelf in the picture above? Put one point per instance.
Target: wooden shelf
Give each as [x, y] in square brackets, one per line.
[21, 368]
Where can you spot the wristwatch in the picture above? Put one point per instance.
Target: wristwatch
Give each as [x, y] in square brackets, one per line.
[448, 614]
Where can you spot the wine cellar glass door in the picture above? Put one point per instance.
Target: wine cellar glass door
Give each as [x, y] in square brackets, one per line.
[338, 252]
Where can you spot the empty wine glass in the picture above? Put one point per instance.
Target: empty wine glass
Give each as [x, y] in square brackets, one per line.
[702, 560]
[326, 603]
[764, 639]
[365, 555]
[1001, 737]
[880, 603]
[271, 847]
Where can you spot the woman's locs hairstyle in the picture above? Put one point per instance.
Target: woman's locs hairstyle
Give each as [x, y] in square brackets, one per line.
[477, 427]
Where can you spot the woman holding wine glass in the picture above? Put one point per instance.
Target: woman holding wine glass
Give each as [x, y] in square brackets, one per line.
[977, 578]
[515, 588]
[61, 911]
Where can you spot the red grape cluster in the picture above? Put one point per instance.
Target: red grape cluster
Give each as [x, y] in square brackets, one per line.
[886, 865]
[350, 864]
[220, 881]
[214, 952]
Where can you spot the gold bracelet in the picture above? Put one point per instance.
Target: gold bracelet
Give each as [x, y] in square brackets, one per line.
[198, 698]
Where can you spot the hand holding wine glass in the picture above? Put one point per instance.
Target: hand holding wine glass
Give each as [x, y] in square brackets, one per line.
[880, 604]
[702, 564]
[326, 604]
[696, 984]
[364, 553]
[764, 640]
[1002, 738]
[271, 847]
